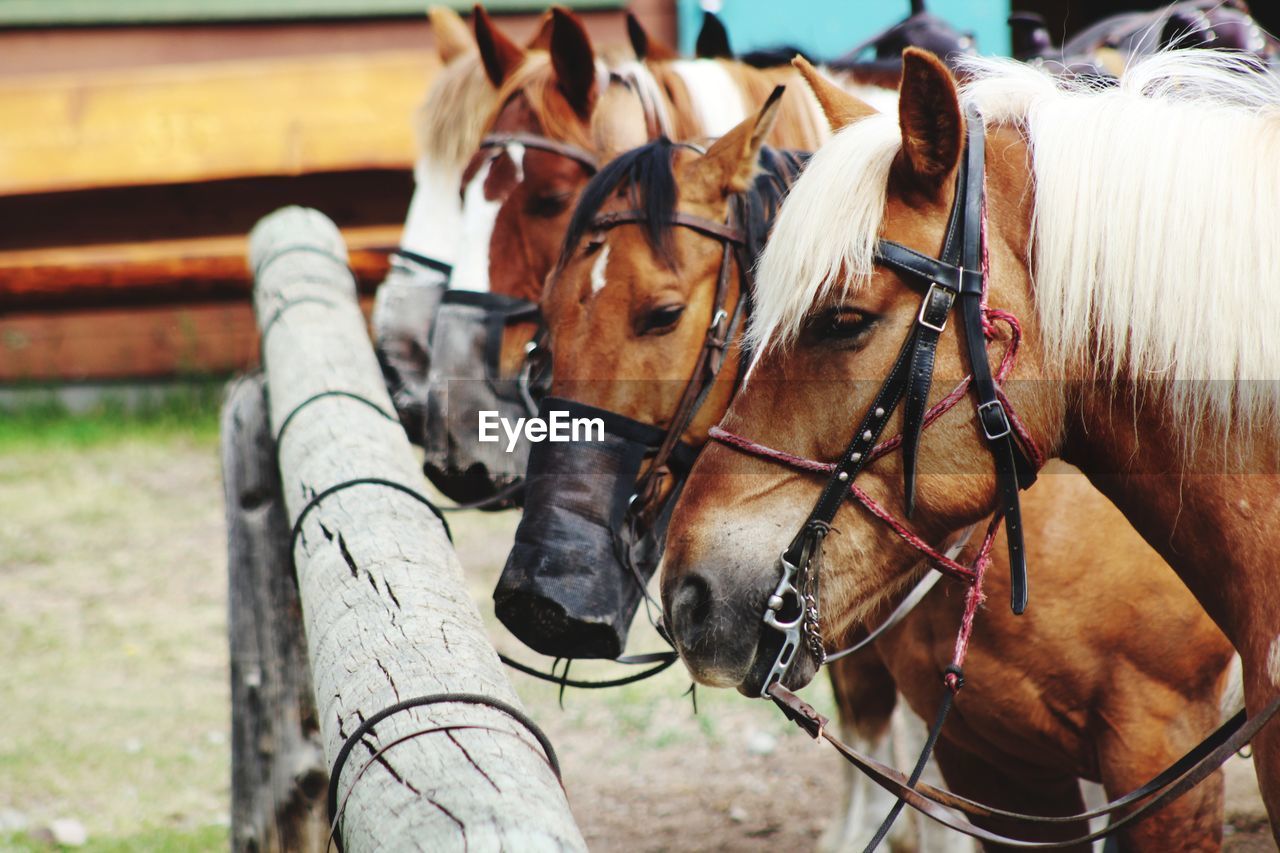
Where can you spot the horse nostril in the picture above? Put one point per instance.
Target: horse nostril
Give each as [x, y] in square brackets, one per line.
[691, 610]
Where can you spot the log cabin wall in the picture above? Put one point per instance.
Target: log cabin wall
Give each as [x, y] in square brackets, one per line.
[135, 159]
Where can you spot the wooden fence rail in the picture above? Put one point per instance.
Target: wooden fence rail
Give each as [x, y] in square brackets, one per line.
[384, 606]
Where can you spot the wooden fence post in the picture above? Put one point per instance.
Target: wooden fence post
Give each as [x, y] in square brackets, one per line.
[278, 769]
[384, 604]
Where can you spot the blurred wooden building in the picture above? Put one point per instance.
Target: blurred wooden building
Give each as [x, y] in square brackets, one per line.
[141, 139]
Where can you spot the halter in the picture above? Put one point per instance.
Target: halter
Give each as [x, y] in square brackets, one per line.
[957, 275]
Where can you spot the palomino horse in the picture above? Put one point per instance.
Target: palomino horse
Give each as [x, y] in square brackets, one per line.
[645, 274]
[1125, 253]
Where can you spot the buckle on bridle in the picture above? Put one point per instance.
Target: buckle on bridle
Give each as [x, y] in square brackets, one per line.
[789, 628]
[928, 303]
[999, 428]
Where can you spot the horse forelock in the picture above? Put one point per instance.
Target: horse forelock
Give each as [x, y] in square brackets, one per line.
[647, 175]
[824, 236]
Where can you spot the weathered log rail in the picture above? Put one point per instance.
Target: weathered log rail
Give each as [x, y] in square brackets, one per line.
[383, 602]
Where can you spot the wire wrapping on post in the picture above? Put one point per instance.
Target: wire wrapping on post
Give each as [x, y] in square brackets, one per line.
[368, 725]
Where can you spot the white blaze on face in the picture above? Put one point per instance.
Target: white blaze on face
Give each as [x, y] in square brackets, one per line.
[434, 225]
[598, 270]
[471, 272]
[716, 97]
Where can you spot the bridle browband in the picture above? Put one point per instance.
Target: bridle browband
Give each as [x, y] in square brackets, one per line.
[537, 141]
[654, 123]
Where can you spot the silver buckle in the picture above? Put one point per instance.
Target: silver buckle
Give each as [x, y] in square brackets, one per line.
[1008, 427]
[928, 300]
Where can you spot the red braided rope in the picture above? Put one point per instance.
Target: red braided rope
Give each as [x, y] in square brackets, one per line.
[973, 600]
[944, 563]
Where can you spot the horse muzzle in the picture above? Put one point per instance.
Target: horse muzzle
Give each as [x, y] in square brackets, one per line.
[465, 380]
[581, 560]
[717, 626]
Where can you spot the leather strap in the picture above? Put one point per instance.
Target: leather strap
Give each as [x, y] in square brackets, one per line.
[423, 261]
[958, 276]
[709, 227]
[542, 143]
[1177, 779]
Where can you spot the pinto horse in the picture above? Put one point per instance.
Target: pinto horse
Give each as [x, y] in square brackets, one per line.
[448, 126]
[1125, 292]
[628, 311]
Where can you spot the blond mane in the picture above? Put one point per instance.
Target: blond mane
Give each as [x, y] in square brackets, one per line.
[1155, 252]
[451, 119]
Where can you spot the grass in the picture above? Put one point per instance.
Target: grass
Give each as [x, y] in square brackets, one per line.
[208, 838]
[189, 410]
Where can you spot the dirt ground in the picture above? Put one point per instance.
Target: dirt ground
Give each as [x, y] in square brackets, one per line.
[113, 681]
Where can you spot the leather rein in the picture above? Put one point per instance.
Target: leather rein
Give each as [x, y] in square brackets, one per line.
[957, 275]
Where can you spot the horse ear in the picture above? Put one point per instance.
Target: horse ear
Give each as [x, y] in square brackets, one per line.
[542, 38]
[840, 108]
[453, 38]
[713, 39]
[500, 55]
[931, 120]
[643, 45]
[574, 61]
[731, 162]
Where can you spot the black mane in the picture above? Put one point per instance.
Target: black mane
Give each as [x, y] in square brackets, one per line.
[646, 174]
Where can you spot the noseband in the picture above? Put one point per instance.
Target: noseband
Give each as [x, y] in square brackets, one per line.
[957, 275]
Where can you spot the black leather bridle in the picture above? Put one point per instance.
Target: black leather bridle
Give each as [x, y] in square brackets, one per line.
[955, 276]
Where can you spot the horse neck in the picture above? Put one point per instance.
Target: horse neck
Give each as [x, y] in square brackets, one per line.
[1210, 512]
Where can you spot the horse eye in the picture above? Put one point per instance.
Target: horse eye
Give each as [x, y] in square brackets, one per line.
[841, 325]
[548, 205]
[661, 320]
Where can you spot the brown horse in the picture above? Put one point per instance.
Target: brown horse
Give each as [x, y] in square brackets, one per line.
[628, 312]
[517, 197]
[518, 200]
[1130, 267]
